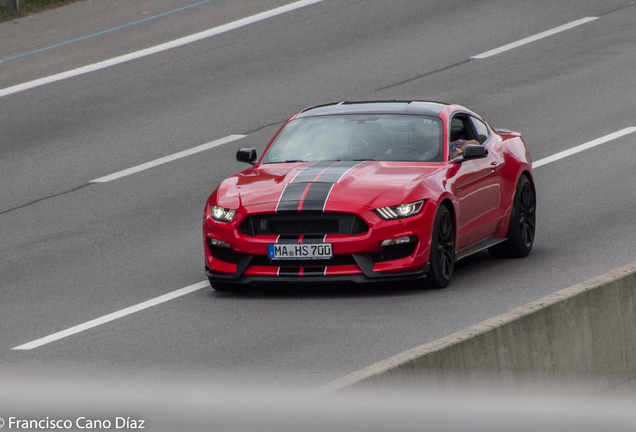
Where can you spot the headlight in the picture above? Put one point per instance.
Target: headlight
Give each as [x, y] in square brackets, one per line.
[221, 214]
[400, 211]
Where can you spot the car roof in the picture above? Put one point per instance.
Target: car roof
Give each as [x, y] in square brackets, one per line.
[376, 107]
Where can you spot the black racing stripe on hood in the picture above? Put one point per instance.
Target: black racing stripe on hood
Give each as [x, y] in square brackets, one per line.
[290, 199]
[335, 173]
[316, 196]
[312, 171]
[316, 181]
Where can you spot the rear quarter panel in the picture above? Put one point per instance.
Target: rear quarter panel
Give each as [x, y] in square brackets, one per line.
[517, 161]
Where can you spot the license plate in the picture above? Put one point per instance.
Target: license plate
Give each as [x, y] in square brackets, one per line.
[300, 251]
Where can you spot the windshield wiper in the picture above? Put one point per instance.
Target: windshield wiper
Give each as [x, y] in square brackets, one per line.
[360, 160]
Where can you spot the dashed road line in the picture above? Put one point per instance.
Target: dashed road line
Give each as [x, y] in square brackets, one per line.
[496, 51]
[582, 147]
[167, 159]
[105, 31]
[112, 316]
[534, 38]
[159, 48]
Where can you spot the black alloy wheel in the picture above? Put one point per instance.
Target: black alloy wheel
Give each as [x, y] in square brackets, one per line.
[522, 223]
[442, 258]
[526, 216]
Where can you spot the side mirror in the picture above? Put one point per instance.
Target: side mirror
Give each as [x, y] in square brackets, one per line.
[471, 152]
[247, 155]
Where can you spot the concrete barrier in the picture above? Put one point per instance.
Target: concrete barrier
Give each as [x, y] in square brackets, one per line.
[584, 335]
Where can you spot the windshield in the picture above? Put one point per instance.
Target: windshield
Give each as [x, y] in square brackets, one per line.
[359, 137]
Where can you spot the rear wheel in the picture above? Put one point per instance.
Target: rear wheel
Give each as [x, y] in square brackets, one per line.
[442, 259]
[522, 223]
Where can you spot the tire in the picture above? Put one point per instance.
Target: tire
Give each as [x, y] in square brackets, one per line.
[442, 258]
[223, 286]
[522, 223]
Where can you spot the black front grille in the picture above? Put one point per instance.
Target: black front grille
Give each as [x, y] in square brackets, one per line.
[337, 260]
[294, 223]
[391, 253]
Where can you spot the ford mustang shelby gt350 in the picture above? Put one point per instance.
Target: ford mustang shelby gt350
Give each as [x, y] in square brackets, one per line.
[371, 191]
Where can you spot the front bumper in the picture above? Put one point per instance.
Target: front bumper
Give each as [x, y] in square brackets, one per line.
[314, 278]
[356, 258]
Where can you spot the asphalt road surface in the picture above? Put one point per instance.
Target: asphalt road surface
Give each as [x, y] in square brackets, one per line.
[72, 250]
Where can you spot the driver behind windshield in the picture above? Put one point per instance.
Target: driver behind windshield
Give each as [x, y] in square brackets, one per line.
[358, 137]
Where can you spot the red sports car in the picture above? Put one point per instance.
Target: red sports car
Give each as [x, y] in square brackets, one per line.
[371, 191]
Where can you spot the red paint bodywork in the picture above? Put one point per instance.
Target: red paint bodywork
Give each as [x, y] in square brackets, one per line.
[480, 193]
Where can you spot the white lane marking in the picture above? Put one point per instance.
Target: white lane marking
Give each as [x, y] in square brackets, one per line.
[167, 159]
[534, 38]
[583, 147]
[159, 48]
[113, 316]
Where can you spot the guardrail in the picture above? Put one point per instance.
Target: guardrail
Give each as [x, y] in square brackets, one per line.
[583, 336]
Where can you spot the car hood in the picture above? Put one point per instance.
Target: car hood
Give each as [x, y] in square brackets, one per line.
[287, 186]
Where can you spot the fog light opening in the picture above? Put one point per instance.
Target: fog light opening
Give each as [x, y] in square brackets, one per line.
[398, 240]
[219, 243]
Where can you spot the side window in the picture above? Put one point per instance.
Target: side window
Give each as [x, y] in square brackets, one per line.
[481, 129]
[458, 129]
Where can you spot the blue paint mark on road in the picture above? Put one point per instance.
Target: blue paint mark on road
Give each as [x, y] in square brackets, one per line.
[105, 31]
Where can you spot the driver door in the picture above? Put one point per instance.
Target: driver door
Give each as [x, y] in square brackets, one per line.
[477, 185]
